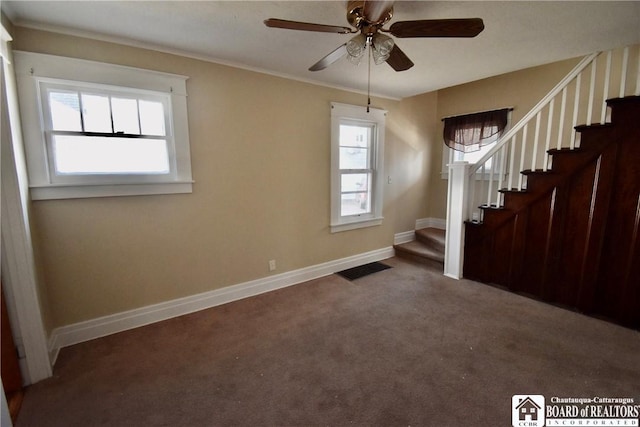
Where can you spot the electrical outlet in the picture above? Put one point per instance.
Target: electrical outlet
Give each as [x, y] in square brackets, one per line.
[272, 265]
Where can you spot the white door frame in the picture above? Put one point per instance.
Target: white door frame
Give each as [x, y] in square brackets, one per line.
[18, 264]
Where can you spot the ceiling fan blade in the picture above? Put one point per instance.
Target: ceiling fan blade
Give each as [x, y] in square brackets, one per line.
[306, 26]
[470, 27]
[329, 59]
[398, 60]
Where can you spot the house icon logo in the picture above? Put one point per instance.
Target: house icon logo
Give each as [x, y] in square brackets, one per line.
[527, 410]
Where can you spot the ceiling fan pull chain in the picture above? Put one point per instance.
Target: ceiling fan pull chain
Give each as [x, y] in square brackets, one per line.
[369, 79]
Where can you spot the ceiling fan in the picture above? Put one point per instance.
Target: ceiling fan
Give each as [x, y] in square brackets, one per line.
[367, 18]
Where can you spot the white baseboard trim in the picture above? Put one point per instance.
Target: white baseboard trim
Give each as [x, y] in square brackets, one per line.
[438, 223]
[95, 328]
[404, 237]
[408, 236]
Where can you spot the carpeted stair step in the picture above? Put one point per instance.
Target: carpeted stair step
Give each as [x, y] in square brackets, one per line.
[433, 237]
[428, 246]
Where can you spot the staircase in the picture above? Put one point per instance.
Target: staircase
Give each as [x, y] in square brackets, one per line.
[428, 247]
[565, 230]
[572, 237]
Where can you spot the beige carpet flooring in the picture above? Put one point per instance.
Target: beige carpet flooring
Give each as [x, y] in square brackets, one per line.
[405, 346]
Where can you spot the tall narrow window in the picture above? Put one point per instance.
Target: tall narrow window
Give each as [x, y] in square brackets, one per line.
[357, 147]
[355, 168]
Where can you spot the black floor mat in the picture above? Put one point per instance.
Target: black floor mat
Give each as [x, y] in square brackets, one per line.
[363, 270]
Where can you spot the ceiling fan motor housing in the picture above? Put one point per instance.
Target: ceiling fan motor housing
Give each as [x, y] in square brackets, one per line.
[371, 17]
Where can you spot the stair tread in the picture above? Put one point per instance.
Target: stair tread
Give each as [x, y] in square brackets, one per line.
[537, 171]
[431, 235]
[513, 190]
[583, 127]
[420, 249]
[491, 208]
[577, 150]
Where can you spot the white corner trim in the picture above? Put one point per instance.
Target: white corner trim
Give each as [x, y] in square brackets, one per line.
[53, 348]
[95, 328]
[438, 223]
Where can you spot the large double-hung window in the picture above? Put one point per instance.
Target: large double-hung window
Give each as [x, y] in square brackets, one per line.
[93, 129]
[356, 180]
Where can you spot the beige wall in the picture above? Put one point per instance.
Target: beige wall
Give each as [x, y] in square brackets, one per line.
[521, 90]
[260, 148]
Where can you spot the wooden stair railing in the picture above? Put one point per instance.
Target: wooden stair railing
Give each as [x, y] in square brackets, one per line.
[529, 144]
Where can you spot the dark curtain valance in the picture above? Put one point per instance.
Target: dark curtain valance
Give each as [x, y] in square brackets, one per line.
[470, 132]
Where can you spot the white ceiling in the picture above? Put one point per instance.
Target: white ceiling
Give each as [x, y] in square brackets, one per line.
[517, 35]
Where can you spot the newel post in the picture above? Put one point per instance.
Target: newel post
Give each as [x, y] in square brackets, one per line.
[457, 209]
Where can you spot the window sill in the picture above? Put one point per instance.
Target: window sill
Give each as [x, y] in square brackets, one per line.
[56, 192]
[355, 224]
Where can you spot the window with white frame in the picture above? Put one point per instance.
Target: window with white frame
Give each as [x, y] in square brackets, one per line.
[104, 130]
[357, 146]
[97, 132]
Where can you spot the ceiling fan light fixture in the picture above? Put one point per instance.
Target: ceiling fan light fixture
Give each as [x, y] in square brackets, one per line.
[355, 60]
[356, 46]
[382, 46]
[383, 43]
[378, 58]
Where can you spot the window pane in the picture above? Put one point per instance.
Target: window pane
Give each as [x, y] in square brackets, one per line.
[108, 155]
[355, 136]
[152, 118]
[125, 115]
[355, 204]
[96, 113]
[355, 142]
[65, 111]
[474, 156]
[354, 182]
[356, 194]
[354, 158]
